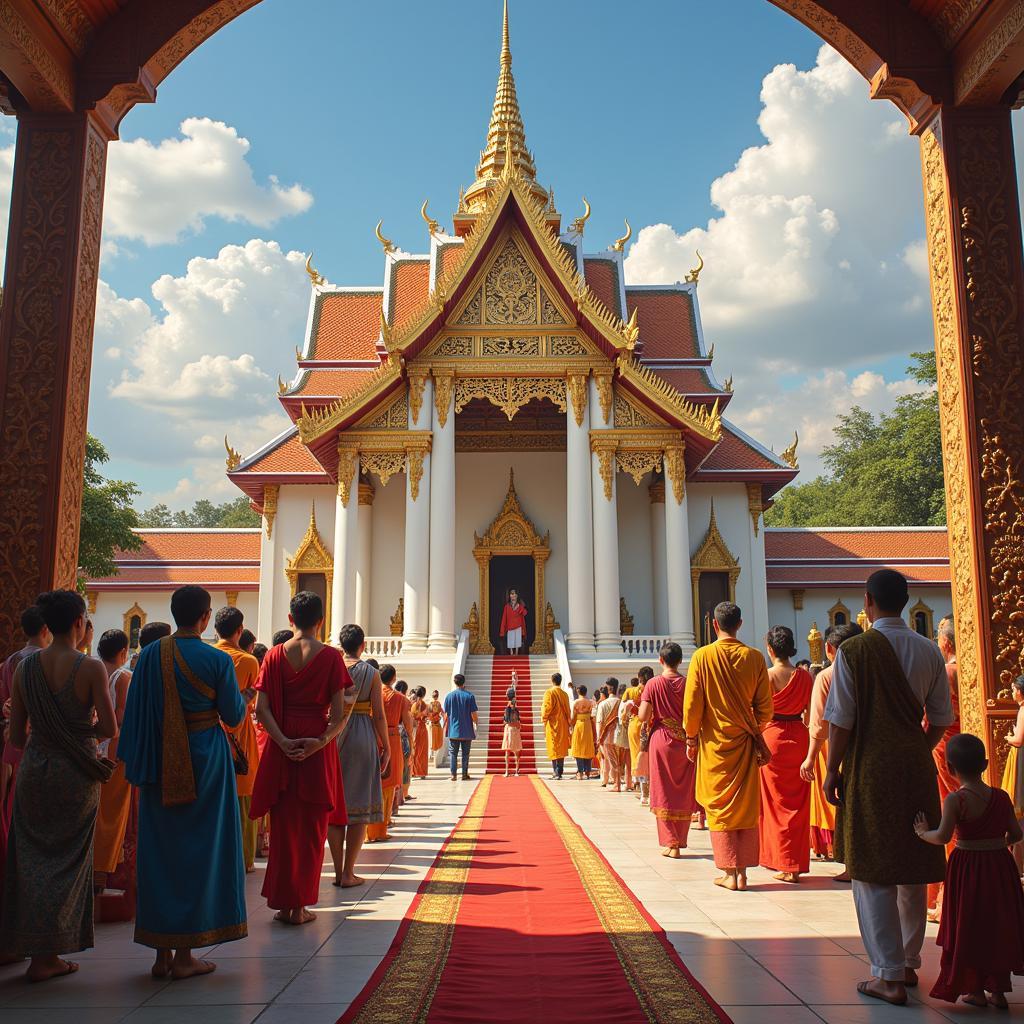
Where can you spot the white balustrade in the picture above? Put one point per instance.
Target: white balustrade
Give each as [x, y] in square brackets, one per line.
[383, 646]
[643, 646]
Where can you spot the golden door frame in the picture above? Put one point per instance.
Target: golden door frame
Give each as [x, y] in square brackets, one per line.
[511, 533]
[712, 556]
[312, 557]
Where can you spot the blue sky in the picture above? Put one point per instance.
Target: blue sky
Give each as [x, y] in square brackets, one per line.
[725, 127]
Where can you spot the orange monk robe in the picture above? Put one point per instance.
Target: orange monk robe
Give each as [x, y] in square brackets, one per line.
[394, 706]
[434, 710]
[420, 742]
[823, 814]
[727, 686]
[113, 813]
[555, 715]
[247, 668]
[584, 740]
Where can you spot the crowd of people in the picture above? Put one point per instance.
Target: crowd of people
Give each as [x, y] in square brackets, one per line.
[203, 756]
[860, 760]
[190, 760]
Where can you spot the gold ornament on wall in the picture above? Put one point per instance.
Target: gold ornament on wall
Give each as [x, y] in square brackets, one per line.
[397, 620]
[444, 384]
[234, 460]
[415, 471]
[755, 503]
[638, 462]
[311, 557]
[626, 623]
[620, 243]
[577, 385]
[417, 382]
[816, 645]
[385, 464]
[270, 493]
[347, 460]
[604, 394]
[606, 467]
[472, 625]
[675, 470]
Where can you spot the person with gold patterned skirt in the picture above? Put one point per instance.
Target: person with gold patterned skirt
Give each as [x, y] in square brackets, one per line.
[584, 744]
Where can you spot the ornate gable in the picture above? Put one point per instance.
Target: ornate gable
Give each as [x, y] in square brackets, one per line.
[393, 417]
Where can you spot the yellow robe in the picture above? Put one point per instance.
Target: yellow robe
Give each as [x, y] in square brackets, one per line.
[583, 742]
[634, 693]
[724, 678]
[555, 715]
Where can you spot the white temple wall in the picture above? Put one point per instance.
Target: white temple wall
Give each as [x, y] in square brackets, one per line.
[387, 559]
[636, 570]
[732, 514]
[481, 483]
[111, 606]
[818, 601]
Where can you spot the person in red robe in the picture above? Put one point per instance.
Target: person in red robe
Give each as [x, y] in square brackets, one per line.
[946, 779]
[673, 774]
[301, 705]
[513, 623]
[785, 824]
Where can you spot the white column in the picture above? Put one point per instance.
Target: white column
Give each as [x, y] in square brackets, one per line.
[442, 518]
[363, 555]
[268, 565]
[659, 560]
[579, 517]
[346, 541]
[758, 577]
[607, 634]
[417, 519]
[677, 555]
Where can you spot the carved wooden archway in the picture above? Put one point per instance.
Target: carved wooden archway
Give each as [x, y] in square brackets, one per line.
[511, 533]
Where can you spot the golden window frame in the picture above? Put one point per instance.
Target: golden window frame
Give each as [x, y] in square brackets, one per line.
[511, 533]
[929, 615]
[835, 609]
[135, 610]
[713, 555]
[310, 558]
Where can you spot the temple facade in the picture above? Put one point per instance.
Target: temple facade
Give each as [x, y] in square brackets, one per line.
[502, 411]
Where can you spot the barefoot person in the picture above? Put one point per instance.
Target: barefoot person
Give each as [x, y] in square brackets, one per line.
[823, 815]
[784, 828]
[880, 774]
[301, 704]
[48, 894]
[728, 703]
[673, 797]
[607, 722]
[511, 736]
[396, 711]
[555, 713]
[364, 751]
[191, 880]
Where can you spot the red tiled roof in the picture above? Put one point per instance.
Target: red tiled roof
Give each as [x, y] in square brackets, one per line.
[290, 456]
[603, 278]
[450, 255]
[331, 383]
[410, 282]
[346, 325]
[853, 574]
[194, 546]
[829, 544]
[689, 381]
[170, 577]
[735, 453]
[668, 327]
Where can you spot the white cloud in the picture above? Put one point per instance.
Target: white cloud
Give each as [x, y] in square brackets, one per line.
[168, 385]
[156, 192]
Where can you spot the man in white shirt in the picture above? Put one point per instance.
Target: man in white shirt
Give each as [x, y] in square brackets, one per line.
[880, 774]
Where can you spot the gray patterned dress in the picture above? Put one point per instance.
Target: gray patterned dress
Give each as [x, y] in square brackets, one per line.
[48, 895]
[360, 759]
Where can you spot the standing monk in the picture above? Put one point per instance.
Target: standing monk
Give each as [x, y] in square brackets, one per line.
[421, 742]
[396, 712]
[555, 715]
[435, 714]
[948, 782]
[191, 880]
[228, 625]
[727, 706]
[301, 704]
[880, 774]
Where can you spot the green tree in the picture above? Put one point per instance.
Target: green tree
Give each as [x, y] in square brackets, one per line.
[108, 516]
[881, 471]
[203, 515]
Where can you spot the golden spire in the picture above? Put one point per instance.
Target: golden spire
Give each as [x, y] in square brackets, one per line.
[506, 136]
[789, 455]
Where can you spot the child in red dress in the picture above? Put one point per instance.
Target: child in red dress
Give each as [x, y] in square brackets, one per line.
[982, 929]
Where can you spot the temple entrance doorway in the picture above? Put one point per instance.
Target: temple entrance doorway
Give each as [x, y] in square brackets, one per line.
[317, 583]
[510, 572]
[712, 589]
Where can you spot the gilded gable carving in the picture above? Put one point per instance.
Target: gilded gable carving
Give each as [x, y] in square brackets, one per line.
[471, 314]
[548, 312]
[511, 346]
[454, 347]
[394, 417]
[628, 415]
[566, 346]
[511, 289]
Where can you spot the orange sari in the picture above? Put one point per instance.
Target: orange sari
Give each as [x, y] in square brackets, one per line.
[421, 742]
[785, 824]
[394, 705]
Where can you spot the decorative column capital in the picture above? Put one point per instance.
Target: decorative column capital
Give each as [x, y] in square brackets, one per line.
[577, 387]
[604, 448]
[270, 493]
[417, 382]
[415, 449]
[231, 596]
[444, 385]
[675, 470]
[798, 600]
[603, 380]
[90, 601]
[755, 503]
[347, 459]
[366, 494]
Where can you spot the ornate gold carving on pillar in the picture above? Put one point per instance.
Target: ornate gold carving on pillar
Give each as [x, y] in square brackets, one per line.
[816, 645]
[577, 385]
[604, 449]
[755, 503]
[417, 382]
[385, 464]
[347, 460]
[798, 600]
[90, 601]
[415, 471]
[974, 246]
[603, 380]
[398, 619]
[550, 625]
[270, 493]
[472, 624]
[231, 596]
[675, 470]
[444, 382]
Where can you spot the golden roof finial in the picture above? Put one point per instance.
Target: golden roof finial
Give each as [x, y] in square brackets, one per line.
[579, 224]
[314, 274]
[505, 135]
[281, 386]
[789, 454]
[727, 386]
[389, 246]
[620, 243]
[632, 330]
[432, 225]
[711, 353]
[694, 275]
[234, 460]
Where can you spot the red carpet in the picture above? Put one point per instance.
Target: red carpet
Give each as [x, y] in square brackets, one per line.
[501, 679]
[522, 920]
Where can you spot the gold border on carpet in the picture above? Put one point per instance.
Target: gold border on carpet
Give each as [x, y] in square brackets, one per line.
[404, 994]
[663, 991]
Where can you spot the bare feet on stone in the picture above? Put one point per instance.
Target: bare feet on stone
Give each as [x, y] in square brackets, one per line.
[46, 968]
[893, 992]
[162, 967]
[189, 967]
